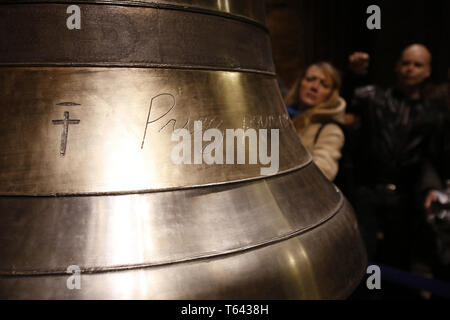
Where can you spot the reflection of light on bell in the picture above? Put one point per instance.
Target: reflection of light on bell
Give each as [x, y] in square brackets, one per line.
[223, 5]
[86, 176]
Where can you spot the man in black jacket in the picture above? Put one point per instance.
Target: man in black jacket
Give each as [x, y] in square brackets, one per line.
[392, 162]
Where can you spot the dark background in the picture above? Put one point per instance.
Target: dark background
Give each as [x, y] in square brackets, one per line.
[306, 31]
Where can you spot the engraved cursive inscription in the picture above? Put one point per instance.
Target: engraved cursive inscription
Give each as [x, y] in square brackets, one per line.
[168, 105]
[150, 121]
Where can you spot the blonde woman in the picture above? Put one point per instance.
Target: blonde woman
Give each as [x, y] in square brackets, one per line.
[315, 96]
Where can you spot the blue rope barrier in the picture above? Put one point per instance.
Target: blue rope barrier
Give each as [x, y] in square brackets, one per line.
[409, 280]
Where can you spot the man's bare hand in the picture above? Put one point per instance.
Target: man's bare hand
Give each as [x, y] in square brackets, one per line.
[359, 62]
[350, 119]
[429, 200]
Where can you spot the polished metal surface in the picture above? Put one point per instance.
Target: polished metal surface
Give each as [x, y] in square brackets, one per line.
[322, 263]
[251, 10]
[113, 35]
[161, 227]
[112, 149]
[86, 177]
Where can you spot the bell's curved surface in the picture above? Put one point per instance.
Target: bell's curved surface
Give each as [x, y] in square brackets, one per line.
[87, 171]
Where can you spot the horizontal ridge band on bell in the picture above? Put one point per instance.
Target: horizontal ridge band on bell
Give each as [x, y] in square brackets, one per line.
[130, 36]
[247, 10]
[134, 231]
[327, 262]
[71, 131]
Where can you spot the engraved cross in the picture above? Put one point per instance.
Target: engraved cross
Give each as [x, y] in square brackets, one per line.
[65, 131]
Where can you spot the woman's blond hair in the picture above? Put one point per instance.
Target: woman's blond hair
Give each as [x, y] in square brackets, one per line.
[293, 97]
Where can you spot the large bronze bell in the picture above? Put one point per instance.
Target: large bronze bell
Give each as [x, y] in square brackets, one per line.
[87, 181]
